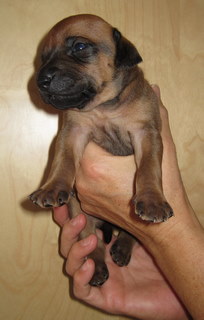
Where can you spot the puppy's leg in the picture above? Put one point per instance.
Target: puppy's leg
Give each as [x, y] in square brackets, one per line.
[101, 273]
[69, 148]
[121, 250]
[150, 203]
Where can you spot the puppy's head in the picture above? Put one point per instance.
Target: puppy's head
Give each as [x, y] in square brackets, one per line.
[82, 59]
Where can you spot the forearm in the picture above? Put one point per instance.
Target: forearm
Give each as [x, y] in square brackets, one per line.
[178, 251]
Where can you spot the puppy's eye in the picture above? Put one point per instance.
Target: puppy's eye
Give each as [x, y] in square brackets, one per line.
[80, 46]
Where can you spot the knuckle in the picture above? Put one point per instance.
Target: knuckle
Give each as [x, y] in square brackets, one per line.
[65, 240]
[63, 252]
[72, 259]
[92, 168]
[67, 268]
[76, 292]
[77, 288]
[66, 230]
[95, 170]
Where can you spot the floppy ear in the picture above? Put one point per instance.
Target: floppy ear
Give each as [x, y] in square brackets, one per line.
[126, 53]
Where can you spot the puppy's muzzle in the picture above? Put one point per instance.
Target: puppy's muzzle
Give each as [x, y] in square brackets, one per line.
[65, 88]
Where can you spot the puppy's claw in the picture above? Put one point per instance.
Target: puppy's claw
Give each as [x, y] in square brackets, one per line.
[49, 198]
[47, 205]
[62, 198]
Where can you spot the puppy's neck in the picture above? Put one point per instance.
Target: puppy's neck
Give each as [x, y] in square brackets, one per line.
[126, 86]
[132, 86]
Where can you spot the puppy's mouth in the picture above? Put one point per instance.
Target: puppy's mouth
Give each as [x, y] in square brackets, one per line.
[69, 100]
[65, 89]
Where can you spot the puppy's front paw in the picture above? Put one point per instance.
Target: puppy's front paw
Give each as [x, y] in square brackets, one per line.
[101, 274]
[50, 197]
[153, 209]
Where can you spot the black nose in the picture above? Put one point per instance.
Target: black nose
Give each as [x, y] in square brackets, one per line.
[45, 78]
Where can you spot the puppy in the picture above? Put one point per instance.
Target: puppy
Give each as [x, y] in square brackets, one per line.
[90, 72]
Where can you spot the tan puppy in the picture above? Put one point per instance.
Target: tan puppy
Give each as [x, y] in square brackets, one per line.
[89, 70]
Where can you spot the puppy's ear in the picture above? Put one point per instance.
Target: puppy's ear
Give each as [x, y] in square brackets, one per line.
[126, 54]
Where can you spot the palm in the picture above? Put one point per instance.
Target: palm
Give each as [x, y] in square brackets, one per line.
[138, 288]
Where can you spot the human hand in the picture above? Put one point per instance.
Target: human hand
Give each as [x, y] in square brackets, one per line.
[105, 186]
[138, 290]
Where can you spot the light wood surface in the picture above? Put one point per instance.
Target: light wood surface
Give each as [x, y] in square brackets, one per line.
[169, 36]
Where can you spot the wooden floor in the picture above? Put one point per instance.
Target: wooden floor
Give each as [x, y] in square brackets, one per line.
[169, 35]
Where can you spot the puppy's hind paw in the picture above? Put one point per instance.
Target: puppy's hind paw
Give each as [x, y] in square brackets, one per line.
[101, 274]
[120, 254]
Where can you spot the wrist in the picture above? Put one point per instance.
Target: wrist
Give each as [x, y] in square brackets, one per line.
[170, 233]
[173, 234]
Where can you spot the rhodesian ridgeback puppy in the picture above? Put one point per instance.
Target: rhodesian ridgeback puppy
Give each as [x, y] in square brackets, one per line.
[90, 72]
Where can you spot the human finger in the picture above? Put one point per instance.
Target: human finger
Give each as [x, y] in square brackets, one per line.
[70, 233]
[82, 289]
[78, 253]
[60, 215]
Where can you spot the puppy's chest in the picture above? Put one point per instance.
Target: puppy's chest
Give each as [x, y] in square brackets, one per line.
[113, 138]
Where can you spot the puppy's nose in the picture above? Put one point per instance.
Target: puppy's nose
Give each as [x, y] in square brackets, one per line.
[45, 78]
